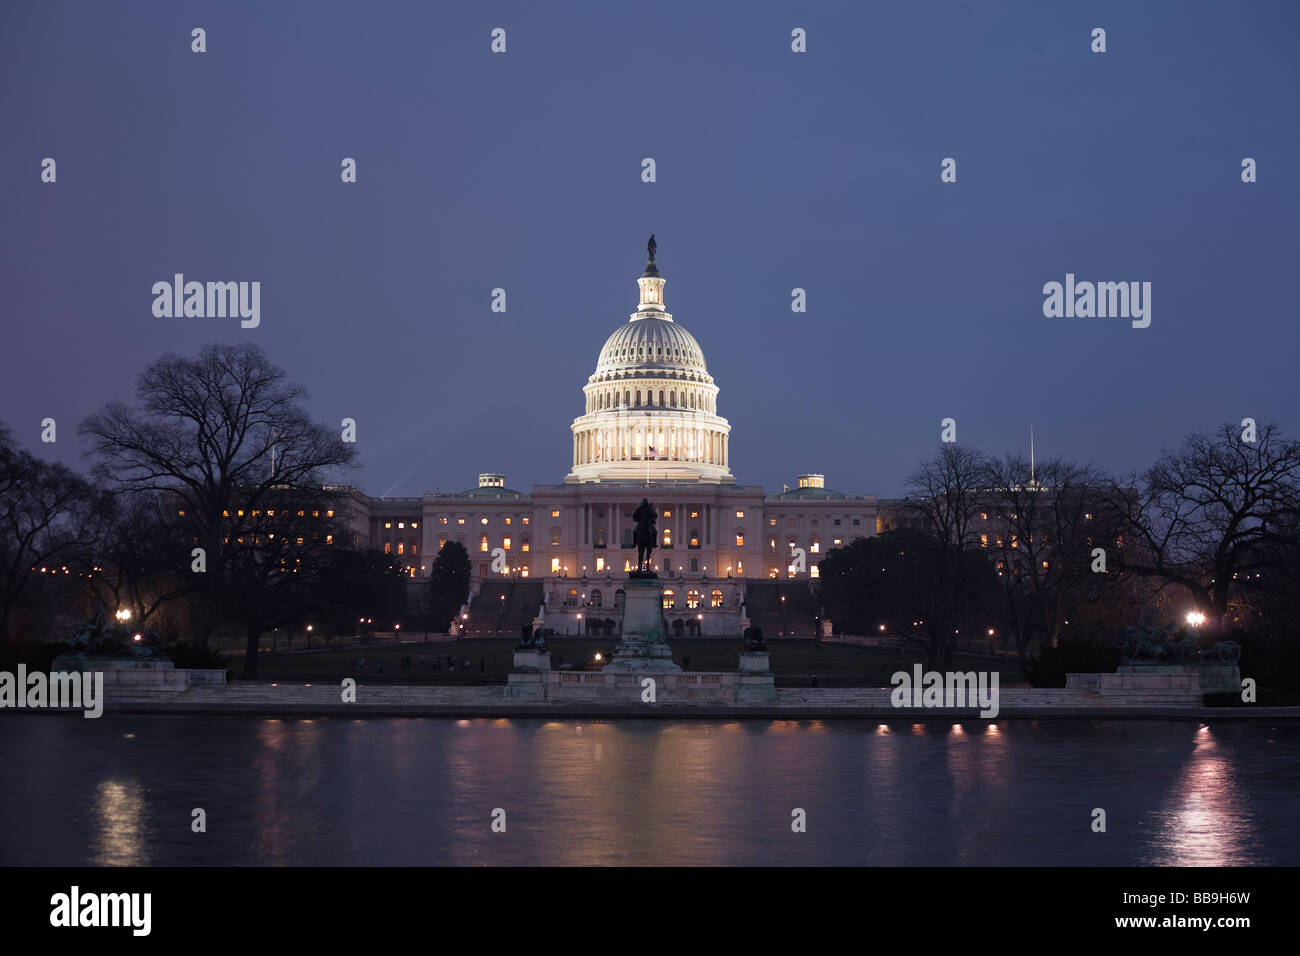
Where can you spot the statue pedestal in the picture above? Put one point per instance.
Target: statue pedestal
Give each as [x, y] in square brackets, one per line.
[642, 649]
[529, 675]
[756, 682]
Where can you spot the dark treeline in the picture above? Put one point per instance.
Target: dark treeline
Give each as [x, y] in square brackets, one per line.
[991, 550]
[208, 511]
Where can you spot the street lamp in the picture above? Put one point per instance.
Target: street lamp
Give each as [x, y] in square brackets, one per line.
[1195, 618]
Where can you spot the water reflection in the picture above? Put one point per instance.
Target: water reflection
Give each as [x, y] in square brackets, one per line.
[120, 825]
[1206, 819]
[710, 792]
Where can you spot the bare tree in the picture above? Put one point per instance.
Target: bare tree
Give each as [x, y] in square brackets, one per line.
[1212, 510]
[44, 509]
[946, 493]
[219, 435]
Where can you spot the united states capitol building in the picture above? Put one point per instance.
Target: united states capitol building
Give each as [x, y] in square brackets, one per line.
[650, 428]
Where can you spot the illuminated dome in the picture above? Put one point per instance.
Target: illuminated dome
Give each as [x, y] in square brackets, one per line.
[651, 403]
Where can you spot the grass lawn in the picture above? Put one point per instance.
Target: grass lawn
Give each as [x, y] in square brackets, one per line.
[794, 661]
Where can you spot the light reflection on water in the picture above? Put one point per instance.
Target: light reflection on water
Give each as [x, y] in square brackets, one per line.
[120, 791]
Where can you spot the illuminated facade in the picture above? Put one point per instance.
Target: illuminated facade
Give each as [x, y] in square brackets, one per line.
[650, 429]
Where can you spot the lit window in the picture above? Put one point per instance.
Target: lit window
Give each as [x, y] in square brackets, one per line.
[771, 522]
[328, 514]
[523, 544]
[555, 512]
[442, 520]
[329, 539]
[715, 598]
[442, 539]
[600, 564]
[300, 514]
[815, 547]
[668, 514]
[984, 516]
[387, 524]
[695, 514]
[240, 512]
[670, 601]
[555, 565]
[740, 539]
[401, 524]
[414, 524]
[401, 547]
[692, 599]
[181, 513]
[1013, 542]
[505, 543]
[507, 520]
[740, 514]
[668, 539]
[771, 544]
[460, 521]
[388, 547]
[814, 572]
[483, 520]
[483, 543]
[837, 542]
[299, 541]
[984, 541]
[1044, 565]
[527, 520]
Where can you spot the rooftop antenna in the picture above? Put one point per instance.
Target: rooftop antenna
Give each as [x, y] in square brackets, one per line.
[1031, 454]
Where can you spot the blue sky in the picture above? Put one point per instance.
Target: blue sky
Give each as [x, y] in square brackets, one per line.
[775, 170]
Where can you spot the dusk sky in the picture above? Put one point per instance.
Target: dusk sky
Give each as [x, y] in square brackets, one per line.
[775, 170]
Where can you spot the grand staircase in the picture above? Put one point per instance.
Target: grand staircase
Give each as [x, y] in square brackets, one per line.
[502, 608]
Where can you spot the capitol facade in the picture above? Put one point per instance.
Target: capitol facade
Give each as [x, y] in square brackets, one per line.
[650, 428]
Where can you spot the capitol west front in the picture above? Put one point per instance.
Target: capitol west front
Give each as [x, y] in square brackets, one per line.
[650, 429]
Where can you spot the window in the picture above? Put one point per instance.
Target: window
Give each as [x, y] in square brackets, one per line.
[414, 524]
[442, 539]
[740, 538]
[483, 520]
[555, 565]
[329, 539]
[600, 566]
[328, 514]
[555, 512]
[771, 522]
[555, 537]
[597, 598]
[668, 514]
[483, 543]
[984, 516]
[695, 514]
[401, 524]
[387, 524]
[693, 599]
[837, 542]
[837, 521]
[740, 514]
[523, 543]
[716, 598]
[695, 538]
[401, 546]
[984, 541]
[507, 521]
[668, 539]
[388, 547]
[526, 519]
[505, 543]
[816, 546]
[571, 599]
[695, 564]
[857, 521]
[460, 521]
[814, 572]
[670, 601]
[771, 544]
[442, 520]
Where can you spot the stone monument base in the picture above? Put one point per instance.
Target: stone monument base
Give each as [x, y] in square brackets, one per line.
[530, 676]
[642, 649]
[755, 682]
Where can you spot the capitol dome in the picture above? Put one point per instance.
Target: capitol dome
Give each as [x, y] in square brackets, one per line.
[651, 403]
